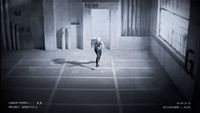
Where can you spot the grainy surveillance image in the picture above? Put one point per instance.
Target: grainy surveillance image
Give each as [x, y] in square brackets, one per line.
[100, 56]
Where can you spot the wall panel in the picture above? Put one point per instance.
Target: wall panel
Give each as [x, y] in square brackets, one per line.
[135, 17]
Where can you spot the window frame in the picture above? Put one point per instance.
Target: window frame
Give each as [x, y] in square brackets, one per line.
[175, 53]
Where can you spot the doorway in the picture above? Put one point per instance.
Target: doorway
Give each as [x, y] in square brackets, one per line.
[100, 25]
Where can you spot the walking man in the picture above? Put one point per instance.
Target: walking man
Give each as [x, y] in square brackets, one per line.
[98, 45]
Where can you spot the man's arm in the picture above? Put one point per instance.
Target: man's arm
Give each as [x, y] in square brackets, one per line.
[102, 45]
[92, 42]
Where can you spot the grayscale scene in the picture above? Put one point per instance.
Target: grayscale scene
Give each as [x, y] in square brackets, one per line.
[100, 56]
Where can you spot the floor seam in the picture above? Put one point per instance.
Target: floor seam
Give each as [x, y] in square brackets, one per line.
[86, 89]
[117, 88]
[54, 90]
[14, 67]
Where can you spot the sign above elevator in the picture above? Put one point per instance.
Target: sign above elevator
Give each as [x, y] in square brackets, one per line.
[91, 5]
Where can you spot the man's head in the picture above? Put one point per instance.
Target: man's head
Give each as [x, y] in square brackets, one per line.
[98, 39]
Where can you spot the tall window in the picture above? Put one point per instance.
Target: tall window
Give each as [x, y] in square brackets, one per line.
[174, 30]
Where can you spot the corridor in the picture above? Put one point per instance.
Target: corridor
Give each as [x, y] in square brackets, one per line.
[127, 81]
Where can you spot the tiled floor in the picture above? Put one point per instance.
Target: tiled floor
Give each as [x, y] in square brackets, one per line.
[127, 81]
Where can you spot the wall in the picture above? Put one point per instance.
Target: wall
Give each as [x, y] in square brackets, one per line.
[138, 43]
[135, 17]
[28, 14]
[116, 40]
[67, 11]
[35, 30]
[181, 79]
[37, 24]
[194, 44]
[127, 42]
[41, 21]
[49, 25]
[166, 58]
[154, 17]
[113, 8]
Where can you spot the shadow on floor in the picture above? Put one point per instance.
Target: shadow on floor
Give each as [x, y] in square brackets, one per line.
[73, 63]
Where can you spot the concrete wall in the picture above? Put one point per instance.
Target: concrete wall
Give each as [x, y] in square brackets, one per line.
[66, 12]
[28, 14]
[193, 41]
[194, 44]
[114, 32]
[127, 42]
[181, 79]
[41, 22]
[49, 25]
[167, 58]
[37, 24]
[139, 43]
[116, 40]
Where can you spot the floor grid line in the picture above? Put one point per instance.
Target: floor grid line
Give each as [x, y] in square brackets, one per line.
[54, 90]
[14, 67]
[117, 87]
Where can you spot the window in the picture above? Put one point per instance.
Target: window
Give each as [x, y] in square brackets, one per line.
[173, 30]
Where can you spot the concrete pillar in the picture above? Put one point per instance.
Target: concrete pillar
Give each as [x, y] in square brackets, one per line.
[49, 25]
[13, 36]
[86, 28]
[63, 38]
[3, 35]
[7, 21]
[17, 37]
[68, 44]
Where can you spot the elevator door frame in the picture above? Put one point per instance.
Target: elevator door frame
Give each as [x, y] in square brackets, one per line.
[107, 39]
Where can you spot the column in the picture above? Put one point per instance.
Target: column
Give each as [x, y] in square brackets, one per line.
[63, 38]
[17, 37]
[3, 35]
[13, 35]
[49, 25]
[7, 21]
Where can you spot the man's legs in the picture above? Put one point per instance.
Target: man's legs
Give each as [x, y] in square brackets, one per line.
[95, 50]
[98, 53]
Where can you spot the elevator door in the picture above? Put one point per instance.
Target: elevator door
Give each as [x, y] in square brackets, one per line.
[100, 25]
